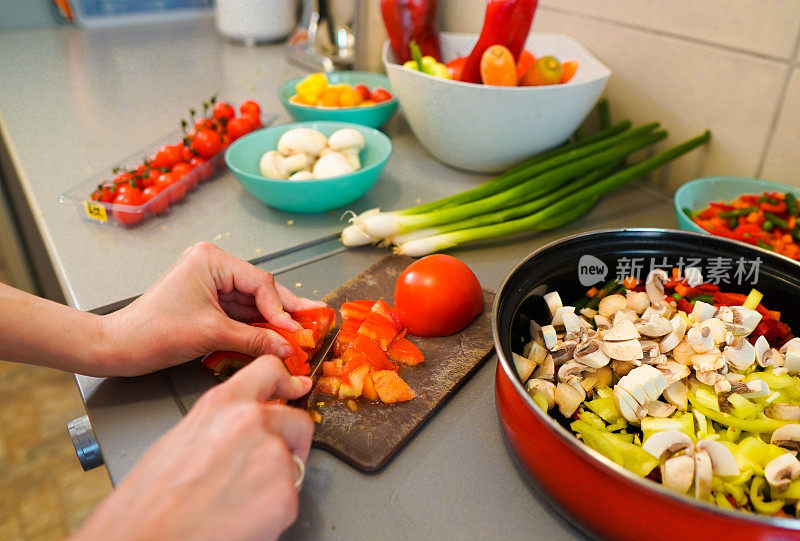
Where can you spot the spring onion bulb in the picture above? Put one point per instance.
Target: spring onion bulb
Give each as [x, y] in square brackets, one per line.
[554, 212]
[390, 224]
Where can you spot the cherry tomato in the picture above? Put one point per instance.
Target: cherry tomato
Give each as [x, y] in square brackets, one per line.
[255, 121]
[124, 177]
[104, 194]
[437, 295]
[207, 142]
[128, 198]
[180, 170]
[204, 169]
[148, 178]
[128, 187]
[167, 156]
[169, 181]
[223, 110]
[156, 206]
[380, 94]
[239, 126]
[363, 90]
[188, 154]
[250, 108]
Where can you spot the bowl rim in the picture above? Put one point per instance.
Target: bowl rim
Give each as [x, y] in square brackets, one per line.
[564, 434]
[293, 82]
[314, 181]
[391, 64]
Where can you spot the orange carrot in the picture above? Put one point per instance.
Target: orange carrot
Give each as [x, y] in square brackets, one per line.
[498, 67]
[630, 282]
[568, 70]
[545, 71]
[525, 61]
[592, 292]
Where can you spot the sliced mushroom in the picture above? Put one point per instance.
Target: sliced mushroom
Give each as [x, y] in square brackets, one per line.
[787, 437]
[703, 470]
[761, 348]
[553, 301]
[627, 406]
[755, 388]
[725, 314]
[624, 315]
[611, 304]
[622, 331]
[794, 342]
[791, 360]
[717, 328]
[677, 473]
[661, 308]
[603, 376]
[741, 356]
[622, 368]
[723, 386]
[653, 327]
[781, 471]
[660, 409]
[591, 354]
[644, 383]
[677, 395]
[673, 371]
[628, 350]
[550, 337]
[675, 335]
[570, 369]
[707, 362]
[588, 313]
[573, 324]
[746, 317]
[702, 311]
[563, 352]
[666, 443]
[700, 339]
[558, 317]
[568, 398]
[722, 460]
[650, 351]
[709, 378]
[783, 412]
[654, 285]
[637, 301]
[683, 352]
[537, 353]
[544, 388]
[524, 366]
[546, 370]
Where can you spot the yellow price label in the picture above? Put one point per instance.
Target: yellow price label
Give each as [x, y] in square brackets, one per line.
[95, 211]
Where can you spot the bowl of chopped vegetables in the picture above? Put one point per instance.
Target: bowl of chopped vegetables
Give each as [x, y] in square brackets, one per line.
[751, 210]
[658, 370]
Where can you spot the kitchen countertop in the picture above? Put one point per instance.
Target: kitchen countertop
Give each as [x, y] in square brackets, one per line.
[72, 102]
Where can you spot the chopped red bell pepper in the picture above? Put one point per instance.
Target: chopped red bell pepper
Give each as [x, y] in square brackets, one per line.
[685, 305]
[507, 23]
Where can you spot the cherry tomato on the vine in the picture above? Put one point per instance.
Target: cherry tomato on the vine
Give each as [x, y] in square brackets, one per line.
[250, 108]
[207, 142]
[131, 198]
[167, 156]
[239, 126]
[223, 110]
[104, 194]
[158, 205]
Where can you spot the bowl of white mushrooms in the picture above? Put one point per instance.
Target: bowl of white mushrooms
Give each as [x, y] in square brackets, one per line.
[309, 167]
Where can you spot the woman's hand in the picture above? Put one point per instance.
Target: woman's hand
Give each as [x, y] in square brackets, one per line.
[224, 472]
[200, 305]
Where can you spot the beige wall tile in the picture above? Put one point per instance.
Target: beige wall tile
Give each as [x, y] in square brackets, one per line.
[782, 161]
[768, 27]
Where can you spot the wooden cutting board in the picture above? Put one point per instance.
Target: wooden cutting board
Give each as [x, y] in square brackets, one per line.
[370, 436]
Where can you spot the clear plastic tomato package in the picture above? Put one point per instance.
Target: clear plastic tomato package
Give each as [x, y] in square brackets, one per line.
[136, 190]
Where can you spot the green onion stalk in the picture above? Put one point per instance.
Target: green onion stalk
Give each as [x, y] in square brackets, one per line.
[537, 220]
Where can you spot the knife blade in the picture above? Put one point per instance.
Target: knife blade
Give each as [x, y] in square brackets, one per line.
[316, 365]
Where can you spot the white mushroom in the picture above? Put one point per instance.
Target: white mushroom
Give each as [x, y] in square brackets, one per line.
[591, 354]
[661, 308]
[722, 386]
[754, 388]
[537, 353]
[683, 352]
[666, 443]
[783, 412]
[707, 362]
[348, 142]
[544, 388]
[654, 285]
[623, 315]
[275, 165]
[572, 323]
[626, 350]
[568, 398]
[702, 311]
[650, 352]
[550, 337]
[717, 328]
[761, 347]
[794, 342]
[673, 371]
[660, 409]
[622, 331]
[627, 406]
[553, 301]
[332, 165]
[637, 301]
[524, 366]
[307, 140]
[675, 335]
[703, 470]
[791, 360]
[611, 304]
[677, 473]
[570, 369]
[677, 395]
[740, 356]
[710, 377]
[653, 327]
[781, 471]
[302, 175]
[546, 370]
[700, 339]
[622, 368]
[746, 317]
[602, 323]
[562, 352]
[722, 460]
[787, 437]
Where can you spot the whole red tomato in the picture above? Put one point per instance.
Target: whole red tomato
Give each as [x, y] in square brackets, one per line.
[250, 108]
[207, 142]
[363, 90]
[132, 198]
[437, 295]
[239, 126]
[167, 156]
[223, 110]
[155, 206]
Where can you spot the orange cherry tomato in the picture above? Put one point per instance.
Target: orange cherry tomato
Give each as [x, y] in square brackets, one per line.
[498, 67]
[525, 61]
[568, 70]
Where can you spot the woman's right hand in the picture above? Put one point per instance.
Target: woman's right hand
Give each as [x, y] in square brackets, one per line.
[226, 471]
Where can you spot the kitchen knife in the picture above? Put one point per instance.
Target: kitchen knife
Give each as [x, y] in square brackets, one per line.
[316, 366]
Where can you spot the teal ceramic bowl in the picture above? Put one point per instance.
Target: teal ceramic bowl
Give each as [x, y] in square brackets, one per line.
[696, 194]
[373, 116]
[306, 196]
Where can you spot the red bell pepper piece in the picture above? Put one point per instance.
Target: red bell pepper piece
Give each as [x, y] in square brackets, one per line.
[507, 23]
[411, 20]
[729, 299]
[685, 305]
